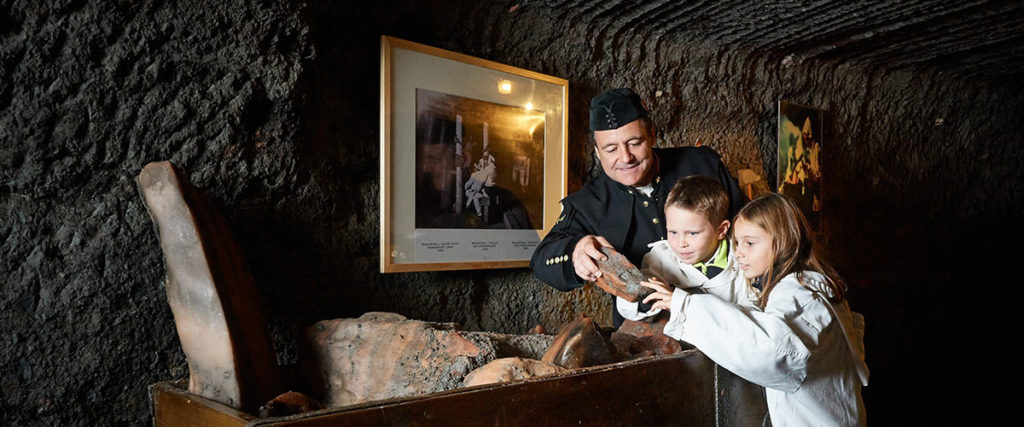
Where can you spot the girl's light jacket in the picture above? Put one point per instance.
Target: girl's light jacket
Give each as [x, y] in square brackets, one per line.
[807, 352]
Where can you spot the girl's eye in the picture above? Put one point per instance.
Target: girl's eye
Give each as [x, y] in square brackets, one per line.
[694, 233]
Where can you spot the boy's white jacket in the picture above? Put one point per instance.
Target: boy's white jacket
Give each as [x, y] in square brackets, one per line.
[805, 351]
[663, 262]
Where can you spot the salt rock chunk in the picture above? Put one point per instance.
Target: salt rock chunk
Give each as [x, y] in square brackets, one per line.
[635, 339]
[367, 359]
[620, 277]
[211, 294]
[622, 343]
[644, 328]
[382, 316]
[510, 368]
[506, 345]
[579, 344]
[289, 403]
[656, 345]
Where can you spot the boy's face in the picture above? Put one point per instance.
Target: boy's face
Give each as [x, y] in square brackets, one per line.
[691, 235]
[753, 248]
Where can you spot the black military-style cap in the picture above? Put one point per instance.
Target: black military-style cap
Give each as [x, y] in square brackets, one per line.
[615, 108]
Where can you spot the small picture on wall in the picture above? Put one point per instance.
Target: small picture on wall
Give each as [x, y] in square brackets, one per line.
[479, 164]
[799, 170]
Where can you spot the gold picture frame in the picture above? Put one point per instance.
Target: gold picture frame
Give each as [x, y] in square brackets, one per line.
[472, 159]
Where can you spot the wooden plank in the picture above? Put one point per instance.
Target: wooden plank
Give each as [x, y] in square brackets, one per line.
[174, 406]
[677, 388]
[740, 402]
[681, 389]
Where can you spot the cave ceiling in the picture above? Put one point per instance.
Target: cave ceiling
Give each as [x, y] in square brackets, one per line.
[969, 39]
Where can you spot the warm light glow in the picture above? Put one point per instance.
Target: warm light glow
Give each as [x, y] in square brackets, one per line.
[528, 106]
[504, 86]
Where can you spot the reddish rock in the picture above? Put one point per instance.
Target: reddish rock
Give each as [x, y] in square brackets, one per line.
[642, 328]
[511, 368]
[622, 343]
[530, 346]
[579, 344]
[635, 339]
[384, 355]
[620, 277]
[368, 359]
[289, 403]
[539, 329]
[656, 345]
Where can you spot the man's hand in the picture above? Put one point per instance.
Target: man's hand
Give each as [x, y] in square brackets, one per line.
[587, 250]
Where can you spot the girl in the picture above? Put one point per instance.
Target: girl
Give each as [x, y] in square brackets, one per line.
[802, 343]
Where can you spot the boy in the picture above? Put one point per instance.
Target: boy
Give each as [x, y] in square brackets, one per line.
[696, 253]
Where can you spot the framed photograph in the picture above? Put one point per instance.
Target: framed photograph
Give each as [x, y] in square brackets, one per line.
[800, 139]
[473, 159]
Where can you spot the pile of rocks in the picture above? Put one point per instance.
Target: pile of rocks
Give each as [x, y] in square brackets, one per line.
[384, 355]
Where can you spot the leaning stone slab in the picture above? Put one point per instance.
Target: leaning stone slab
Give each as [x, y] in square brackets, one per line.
[211, 294]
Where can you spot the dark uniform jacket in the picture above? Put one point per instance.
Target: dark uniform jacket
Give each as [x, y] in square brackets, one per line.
[623, 215]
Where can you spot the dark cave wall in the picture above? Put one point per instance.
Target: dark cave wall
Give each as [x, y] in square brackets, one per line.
[272, 109]
[92, 91]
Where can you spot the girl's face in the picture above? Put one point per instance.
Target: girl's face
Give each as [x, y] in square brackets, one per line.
[753, 248]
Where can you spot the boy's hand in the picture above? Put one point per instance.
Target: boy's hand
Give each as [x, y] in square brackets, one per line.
[586, 251]
[662, 296]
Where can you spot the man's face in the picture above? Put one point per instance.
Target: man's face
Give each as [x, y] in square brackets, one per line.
[691, 236]
[626, 153]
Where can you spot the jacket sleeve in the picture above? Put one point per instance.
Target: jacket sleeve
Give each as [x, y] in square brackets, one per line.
[552, 260]
[632, 310]
[770, 348]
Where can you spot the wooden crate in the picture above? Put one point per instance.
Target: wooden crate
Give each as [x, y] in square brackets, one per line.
[680, 389]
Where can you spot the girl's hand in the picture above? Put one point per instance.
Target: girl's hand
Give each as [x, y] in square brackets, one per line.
[662, 296]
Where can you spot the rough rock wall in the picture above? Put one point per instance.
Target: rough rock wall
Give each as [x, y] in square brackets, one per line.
[91, 92]
[274, 123]
[272, 108]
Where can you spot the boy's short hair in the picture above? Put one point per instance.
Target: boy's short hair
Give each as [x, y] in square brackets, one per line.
[701, 194]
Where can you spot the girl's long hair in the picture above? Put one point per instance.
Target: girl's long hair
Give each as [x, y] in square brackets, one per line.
[792, 247]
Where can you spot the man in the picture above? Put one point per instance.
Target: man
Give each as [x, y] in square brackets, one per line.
[624, 207]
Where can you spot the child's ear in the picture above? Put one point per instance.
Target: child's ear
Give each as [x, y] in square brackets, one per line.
[723, 228]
